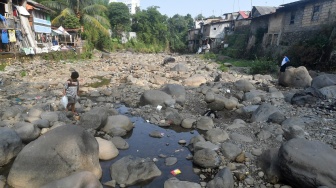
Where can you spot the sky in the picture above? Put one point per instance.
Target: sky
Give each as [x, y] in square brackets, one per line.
[207, 7]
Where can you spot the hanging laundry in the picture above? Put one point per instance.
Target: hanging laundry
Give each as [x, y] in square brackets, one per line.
[6, 8]
[18, 35]
[4, 37]
[3, 19]
[11, 34]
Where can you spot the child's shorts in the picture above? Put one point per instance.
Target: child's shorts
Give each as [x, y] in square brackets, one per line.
[71, 100]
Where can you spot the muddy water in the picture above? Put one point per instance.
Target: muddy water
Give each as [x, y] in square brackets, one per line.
[142, 145]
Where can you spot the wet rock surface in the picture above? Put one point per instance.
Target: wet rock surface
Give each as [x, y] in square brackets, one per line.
[237, 147]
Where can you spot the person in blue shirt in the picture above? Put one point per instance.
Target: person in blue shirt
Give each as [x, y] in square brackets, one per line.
[284, 64]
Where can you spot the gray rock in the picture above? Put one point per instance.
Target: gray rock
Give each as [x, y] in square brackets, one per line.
[244, 85]
[35, 112]
[76, 180]
[154, 98]
[291, 122]
[216, 135]
[207, 158]
[218, 104]
[223, 178]
[41, 123]
[118, 125]
[10, 145]
[209, 97]
[194, 140]
[176, 91]
[130, 170]
[204, 123]
[179, 68]
[203, 145]
[263, 112]
[295, 77]
[120, 143]
[195, 81]
[187, 123]
[155, 134]
[329, 92]
[27, 131]
[13, 111]
[305, 163]
[168, 60]
[240, 138]
[174, 118]
[323, 80]
[277, 117]
[63, 151]
[294, 131]
[269, 163]
[169, 161]
[230, 151]
[264, 135]
[175, 183]
[50, 116]
[94, 119]
[254, 93]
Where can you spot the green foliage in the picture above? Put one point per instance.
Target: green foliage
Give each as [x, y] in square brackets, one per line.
[209, 56]
[120, 18]
[314, 52]
[242, 63]
[178, 32]
[199, 17]
[151, 26]
[223, 68]
[23, 73]
[237, 45]
[70, 21]
[68, 55]
[263, 67]
[3, 66]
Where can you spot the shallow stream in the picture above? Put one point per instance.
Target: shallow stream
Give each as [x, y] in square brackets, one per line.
[142, 145]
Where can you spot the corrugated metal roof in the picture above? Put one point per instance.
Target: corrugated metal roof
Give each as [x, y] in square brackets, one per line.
[263, 10]
[244, 14]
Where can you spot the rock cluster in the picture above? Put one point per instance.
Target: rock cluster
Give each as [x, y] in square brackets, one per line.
[265, 135]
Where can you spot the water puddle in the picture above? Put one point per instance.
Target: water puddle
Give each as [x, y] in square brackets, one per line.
[142, 145]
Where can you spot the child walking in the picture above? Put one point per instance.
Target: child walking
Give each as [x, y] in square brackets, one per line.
[71, 90]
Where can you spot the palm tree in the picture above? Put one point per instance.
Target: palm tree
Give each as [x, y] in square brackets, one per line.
[89, 12]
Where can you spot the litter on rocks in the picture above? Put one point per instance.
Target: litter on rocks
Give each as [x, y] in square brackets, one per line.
[175, 172]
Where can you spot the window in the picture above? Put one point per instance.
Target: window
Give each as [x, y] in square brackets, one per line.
[215, 28]
[292, 18]
[316, 13]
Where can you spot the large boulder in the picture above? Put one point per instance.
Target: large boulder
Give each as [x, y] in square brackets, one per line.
[195, 80]
[10, 145]
[94, 119]
[263, 112]
[107, 150]
[27, 131]
[207, 158]
[216, 135]
[329, 92]
[324, 80]
[268, 161]
[309, 164]
[244, 85]
[204, 123]
[154, 98]
[118, 125]
[64, 150]
[296, 77]
[223, 178]
[308, 96]
[180, 67]
[130, 170]
[178, 92]
[76, 180]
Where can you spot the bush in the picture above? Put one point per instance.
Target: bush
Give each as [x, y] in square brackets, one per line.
[263, 67]
[209, 55]
[3, 66]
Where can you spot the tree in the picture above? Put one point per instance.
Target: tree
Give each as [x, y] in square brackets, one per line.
[151, 26]
[120, 18]
[89, 12]
[199, 17]
[178, 31]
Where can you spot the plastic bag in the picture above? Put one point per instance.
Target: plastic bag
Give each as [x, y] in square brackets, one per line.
[64, 101]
